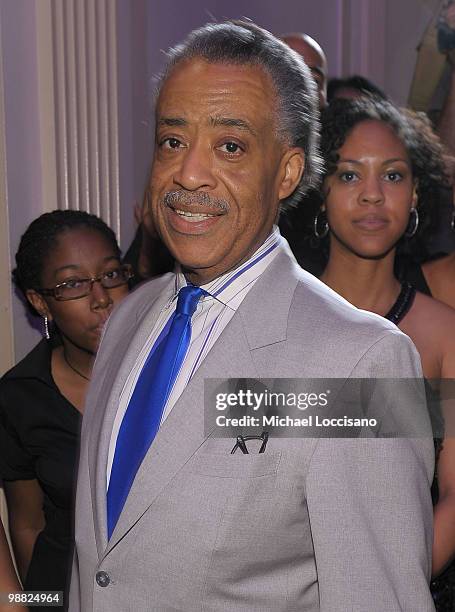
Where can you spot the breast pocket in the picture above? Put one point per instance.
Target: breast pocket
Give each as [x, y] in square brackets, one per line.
[235, 466]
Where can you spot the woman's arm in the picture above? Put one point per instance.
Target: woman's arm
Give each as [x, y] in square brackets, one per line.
[444, 511]
[26, 519]
[8, 579]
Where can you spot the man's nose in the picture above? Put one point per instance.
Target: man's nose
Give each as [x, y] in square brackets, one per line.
[195, 170]
[372, 191]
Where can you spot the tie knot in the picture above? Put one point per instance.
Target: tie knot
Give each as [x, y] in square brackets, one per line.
[188, 298]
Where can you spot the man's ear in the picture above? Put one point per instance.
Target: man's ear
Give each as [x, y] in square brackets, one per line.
[293, 165]
[39, 303]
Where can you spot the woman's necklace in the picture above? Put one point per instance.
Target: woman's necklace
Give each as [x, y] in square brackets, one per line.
[74, 369]
[402, 305]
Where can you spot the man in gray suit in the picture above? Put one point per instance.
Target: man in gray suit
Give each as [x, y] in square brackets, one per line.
[167, 519]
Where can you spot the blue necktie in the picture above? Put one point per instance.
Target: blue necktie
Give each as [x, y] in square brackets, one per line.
[145, 409]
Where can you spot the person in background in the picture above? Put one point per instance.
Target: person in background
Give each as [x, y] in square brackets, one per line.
[296, 223]
[433, 91]
[8, 578]
[147, 255]
[430, 62]
[381, 168]
[69, 270]
[314, 57]
[439, 273]
[435, 68]
[354, 86]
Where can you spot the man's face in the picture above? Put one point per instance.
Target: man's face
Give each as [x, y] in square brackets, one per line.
[219, 168]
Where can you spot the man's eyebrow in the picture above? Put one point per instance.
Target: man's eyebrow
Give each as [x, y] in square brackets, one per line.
[232, 122]
[172, 121]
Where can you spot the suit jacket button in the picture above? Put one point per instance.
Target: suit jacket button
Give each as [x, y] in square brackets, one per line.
[102, 579]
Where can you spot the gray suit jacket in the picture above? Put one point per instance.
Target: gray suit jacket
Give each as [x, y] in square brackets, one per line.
[312, 524]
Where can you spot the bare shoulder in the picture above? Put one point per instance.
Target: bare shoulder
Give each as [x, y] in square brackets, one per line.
[431, 326]
[440, 276]
[440, 266]
[432, 312]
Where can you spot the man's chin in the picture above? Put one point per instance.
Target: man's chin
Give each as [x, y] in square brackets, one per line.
[191, 267]
[200, 270]
[193, 252]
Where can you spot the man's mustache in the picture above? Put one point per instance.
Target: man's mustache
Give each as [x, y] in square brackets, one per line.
[189, 198]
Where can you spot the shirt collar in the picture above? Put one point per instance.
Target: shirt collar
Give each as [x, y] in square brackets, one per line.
[226, 287]
[36, 364]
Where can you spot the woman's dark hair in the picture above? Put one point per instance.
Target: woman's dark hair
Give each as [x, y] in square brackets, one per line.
[41, 237]
[424, 148]
[364, 86]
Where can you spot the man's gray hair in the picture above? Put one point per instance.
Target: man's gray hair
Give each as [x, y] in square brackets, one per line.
[243, 42]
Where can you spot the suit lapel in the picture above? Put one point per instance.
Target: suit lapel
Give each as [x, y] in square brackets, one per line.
[265, 309]
[120, 361]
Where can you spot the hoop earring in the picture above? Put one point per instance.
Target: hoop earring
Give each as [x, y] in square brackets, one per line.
[46, 329]
[325, 229]
[409, 233]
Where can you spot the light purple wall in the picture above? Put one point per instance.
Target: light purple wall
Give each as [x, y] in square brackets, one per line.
[170, 21]
[23, 155]
[135, 109]
[409, 17]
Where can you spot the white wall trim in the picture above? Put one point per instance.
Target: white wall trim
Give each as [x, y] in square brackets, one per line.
[77, 64]
[46, 102]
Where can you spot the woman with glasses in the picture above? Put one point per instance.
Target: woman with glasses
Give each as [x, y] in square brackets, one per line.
[69, 270]
[383, 166]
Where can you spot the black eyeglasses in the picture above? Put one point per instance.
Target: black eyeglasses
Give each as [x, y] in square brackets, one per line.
[76, 288]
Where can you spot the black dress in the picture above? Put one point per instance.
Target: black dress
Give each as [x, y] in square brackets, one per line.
[39, 437]
[442, 587]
